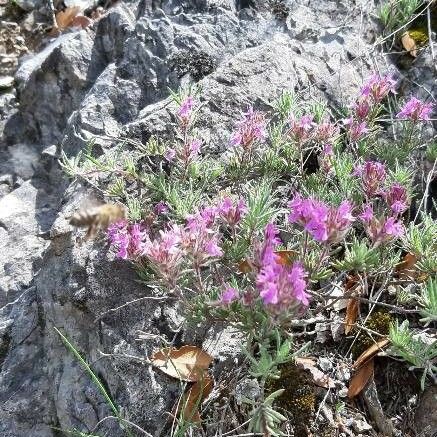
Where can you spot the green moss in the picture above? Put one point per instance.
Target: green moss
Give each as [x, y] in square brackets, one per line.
[298, 399]
[420, 35]
[379, 322]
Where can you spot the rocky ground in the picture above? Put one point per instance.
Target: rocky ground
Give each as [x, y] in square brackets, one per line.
[110, 81]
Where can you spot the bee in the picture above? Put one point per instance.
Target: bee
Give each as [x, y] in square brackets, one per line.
[97, 218]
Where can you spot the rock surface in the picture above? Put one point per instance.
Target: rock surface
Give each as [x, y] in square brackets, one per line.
[104, 82]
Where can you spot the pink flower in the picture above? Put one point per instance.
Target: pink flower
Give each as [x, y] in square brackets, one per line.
[265, 252]
[356, 129]
[301, 129]
[161, 208]
[326, 132]
[231, 214]
[185, 110]
[283, 287]
[229, 295]
[127, 238]
[373, 175]
[415, 110]
[165, 254]
[397, 198]
[338, 222]
[382, 230]
[367, 214]
[378, 87]
[323, 223]
[325, 159]
[250, 129]
[170, 154]
[362, 108]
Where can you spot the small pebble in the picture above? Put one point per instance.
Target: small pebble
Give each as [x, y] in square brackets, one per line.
[6, 82]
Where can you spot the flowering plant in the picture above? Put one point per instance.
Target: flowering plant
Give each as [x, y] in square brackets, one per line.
[259, 240]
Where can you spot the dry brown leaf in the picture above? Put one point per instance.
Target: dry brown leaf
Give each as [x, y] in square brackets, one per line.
[409, 44]
[319, 378]
[370, 353]
[65, 18]
[81, 21]
[244, 266]
[286, 257]
[407, 269]
[188, 407]
[352, 309]
[360, 379]
[188, 363]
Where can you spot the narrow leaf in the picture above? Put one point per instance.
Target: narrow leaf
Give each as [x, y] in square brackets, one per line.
[370, 353]
[352, 309]
[360, 379]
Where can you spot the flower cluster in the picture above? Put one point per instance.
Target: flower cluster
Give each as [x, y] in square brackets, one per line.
[305, 129]
[231, 213]
[324, 223]
[373, 175]
[280, 285]
[251, 128]
[377, 87]
[373, 92]
[185, 111]
[382, 229]
[127, 238]
[415, 110]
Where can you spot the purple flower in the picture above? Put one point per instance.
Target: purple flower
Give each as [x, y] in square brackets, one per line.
[127, 238]
[382, 230]
[326, 132]
[161, 208]
[184, 111]
[356, 129]
[231, 214]
[378, 87]
[301, 129]
[251, 128]
[397, 198]
[367, 215]
[170, 154]
[393, 228]
[373, 175]
[415, 110]
[165, 254]
[283, 287]
[323, 223]
[362, 108]
[326, 158]
[228, 296]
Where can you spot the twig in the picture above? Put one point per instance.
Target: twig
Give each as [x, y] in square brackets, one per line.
[431, 45]
[138, 428]
[101, 316]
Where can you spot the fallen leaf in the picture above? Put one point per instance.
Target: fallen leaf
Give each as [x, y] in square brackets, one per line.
[286, 257]
[409, 44]
[244, 266]
[407, 269]
[352, 309]
[360, 379]
[81, 21]
[188, 407]
[370, 353]
[65, 18]
[319, 378]
[188, 363]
